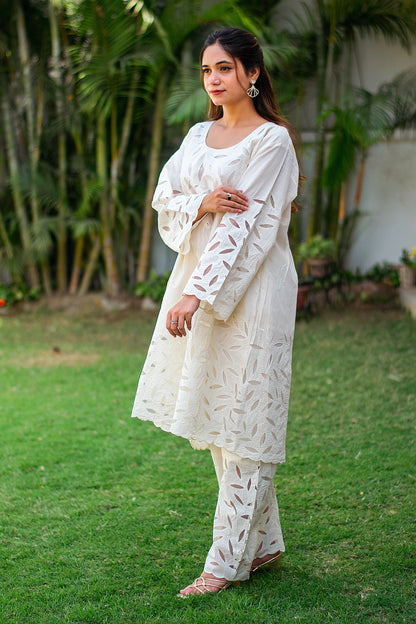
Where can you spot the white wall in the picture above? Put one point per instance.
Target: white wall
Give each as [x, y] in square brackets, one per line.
[379, 62]
[389, 205]
[389, 188]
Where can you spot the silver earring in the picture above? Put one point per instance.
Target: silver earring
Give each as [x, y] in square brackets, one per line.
[252, 91]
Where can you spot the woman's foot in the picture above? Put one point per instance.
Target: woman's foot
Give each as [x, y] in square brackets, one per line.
[263, 561]
[205, 584]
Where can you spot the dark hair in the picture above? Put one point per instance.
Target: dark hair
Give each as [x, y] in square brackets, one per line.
[243, 45]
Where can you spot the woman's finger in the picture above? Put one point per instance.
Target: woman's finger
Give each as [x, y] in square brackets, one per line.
[180, 327]
[188, 320]
[235, 200]
[233, 194]
[171, 323]
[172, 329]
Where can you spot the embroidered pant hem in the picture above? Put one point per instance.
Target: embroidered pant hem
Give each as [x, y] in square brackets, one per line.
[246, 522]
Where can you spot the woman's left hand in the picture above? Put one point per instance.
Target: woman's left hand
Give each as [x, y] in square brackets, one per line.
[181, 314]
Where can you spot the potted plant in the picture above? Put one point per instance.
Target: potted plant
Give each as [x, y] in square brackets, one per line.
[319, 254]
[407, 268]
[152, 290]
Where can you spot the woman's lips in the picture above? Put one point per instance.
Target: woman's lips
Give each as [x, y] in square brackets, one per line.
[216, 92]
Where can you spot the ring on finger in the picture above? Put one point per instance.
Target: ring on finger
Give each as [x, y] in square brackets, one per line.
[229, 196]
[174, 322]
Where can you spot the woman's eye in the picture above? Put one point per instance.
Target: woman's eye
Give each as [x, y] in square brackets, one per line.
[225, 68]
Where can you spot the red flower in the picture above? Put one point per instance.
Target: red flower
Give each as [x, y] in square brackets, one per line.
[2, 303]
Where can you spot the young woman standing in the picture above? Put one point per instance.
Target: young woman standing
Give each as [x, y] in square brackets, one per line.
[224, 202]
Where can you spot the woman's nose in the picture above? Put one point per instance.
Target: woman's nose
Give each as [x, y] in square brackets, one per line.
[214, 78]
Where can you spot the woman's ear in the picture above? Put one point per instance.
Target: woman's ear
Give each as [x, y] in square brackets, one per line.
[253, 74]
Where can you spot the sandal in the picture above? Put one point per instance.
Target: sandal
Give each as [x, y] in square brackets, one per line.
[265, 563]
[202, 585]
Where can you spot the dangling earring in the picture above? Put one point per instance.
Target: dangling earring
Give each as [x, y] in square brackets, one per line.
[252, 91]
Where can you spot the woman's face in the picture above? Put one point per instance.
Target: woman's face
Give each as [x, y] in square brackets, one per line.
[225, 78]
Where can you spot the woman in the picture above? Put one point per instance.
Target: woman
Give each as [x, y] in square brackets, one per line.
[224, 203]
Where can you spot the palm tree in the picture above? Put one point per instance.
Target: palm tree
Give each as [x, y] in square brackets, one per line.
[22, 93]
[363, 120]
[107, 66]
[335, 26]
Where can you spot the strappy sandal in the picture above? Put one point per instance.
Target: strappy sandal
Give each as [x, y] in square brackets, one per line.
[202, 584]
[265, 563]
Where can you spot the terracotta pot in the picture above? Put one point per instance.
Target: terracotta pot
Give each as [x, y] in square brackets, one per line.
[406, 276]
[302, 298]
[318, 267]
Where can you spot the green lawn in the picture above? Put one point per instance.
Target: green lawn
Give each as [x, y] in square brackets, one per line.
[104, 518]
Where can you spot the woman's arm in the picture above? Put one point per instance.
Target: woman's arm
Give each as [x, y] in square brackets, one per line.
[178, 211]
[180, 316]
[241, 242]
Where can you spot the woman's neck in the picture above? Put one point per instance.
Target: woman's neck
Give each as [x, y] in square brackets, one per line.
[240, 116]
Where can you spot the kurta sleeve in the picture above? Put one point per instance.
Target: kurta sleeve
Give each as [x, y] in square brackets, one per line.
[176, 209]
[241, 242]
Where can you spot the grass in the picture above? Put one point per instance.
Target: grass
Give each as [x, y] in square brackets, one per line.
[103, 518]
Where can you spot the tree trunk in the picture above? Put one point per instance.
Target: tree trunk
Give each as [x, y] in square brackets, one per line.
[118, 148]
[17, 195]
[342, 201]
[33, 121]
[315, 211]
[112, 285]
[332, 212]
[114, 162]
[359, 187]
[6, 240]
[28, 103]
[62, 160]
[61, 258]
[89, 271]
[80, 241]
[76, 267]
[128, 120]
[146, 238]
[348, 222]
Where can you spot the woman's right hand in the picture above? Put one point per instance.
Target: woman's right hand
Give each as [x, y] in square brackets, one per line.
[224, 199]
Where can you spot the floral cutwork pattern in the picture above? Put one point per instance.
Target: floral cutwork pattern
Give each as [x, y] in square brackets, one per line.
[246, 522]
[227, 383]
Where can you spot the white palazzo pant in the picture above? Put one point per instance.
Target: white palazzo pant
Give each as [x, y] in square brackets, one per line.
[246, 523]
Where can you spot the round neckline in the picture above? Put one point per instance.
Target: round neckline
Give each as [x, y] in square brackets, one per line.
[221, 149]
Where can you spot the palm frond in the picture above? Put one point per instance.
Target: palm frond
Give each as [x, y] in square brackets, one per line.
[304, 21]
[42, 235]
[84, 227]
[181, 19]
[39, 185]
[278, 48]
[366, 119]
[165, 40]
[110, 41]
[187, 100]
[392, 19]
[92, 192]
[15, 265]
[343, 147]
[400, 93]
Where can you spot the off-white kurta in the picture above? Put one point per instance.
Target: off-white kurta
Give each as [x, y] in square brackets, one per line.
[227, 382]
